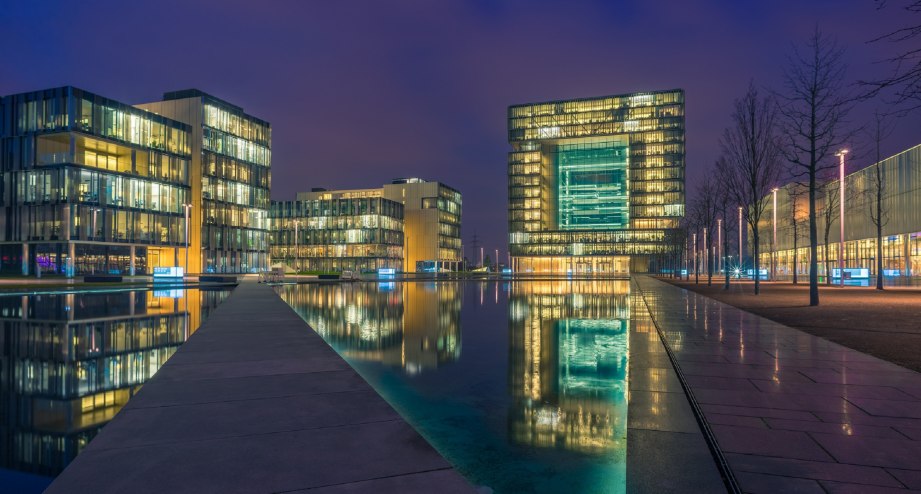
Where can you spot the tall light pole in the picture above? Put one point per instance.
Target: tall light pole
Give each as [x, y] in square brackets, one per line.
[741, 256]
[694, 243]
[481, 257]
[497, 259]
[719, 244]
[706, 250]
[774, 238]
[840, 155]
[187, 207]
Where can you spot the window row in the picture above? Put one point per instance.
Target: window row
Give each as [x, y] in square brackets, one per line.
[227, 168]
[235, 147]
[330, 237]
[73, 185]
[598, 104]
[234, 215]
[237, 124]
[215, 189]
[72, 148]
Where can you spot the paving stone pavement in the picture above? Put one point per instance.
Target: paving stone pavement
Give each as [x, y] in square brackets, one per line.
[257, 402]
[792, 412]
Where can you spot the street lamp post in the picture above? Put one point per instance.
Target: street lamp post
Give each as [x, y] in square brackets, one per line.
[840, 155]
[719, 245]
[706, 250]
[741, 257]
[774, 238]
[694, 244]
[187, 207]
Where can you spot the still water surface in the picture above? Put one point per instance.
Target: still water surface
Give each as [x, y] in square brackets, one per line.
[70, 362]
[521, 385]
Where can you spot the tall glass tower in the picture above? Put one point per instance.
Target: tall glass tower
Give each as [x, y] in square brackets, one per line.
[596, 185]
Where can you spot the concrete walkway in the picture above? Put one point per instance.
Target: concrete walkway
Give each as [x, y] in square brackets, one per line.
[792, 412]
[255, 401]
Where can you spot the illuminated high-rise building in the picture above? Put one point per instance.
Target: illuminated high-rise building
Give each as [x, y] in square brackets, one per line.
[231, 167]
[596, 185]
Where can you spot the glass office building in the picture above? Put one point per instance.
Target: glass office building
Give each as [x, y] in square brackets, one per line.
[90, 185]
[596, 185]
[901, 179]
[337, 231]
[231, 167]
[430, 222]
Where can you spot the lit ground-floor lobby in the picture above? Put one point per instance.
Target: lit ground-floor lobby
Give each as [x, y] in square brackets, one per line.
[901, 256]
[579, 265]
[86, 258]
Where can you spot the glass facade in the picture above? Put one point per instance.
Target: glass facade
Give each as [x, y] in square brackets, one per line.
[901, 179]
[593, 192]
[231, 165]
[581, 167]
[89, 183]
[338, 233]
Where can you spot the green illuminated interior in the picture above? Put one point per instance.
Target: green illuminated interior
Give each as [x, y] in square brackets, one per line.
[593, 192]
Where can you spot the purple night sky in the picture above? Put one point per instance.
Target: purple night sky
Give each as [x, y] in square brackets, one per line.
[360, 92]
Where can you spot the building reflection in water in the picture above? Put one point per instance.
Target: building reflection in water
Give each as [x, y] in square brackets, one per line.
[414, 326]
[69, 363]
[568, 364]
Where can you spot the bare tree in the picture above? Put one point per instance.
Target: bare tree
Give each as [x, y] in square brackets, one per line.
[879, 215]
[693, 222]
[831, 198]
[725, 205]
[796, 193]
[813, 107]
[750, 165]
[904, 78]
[704, 205]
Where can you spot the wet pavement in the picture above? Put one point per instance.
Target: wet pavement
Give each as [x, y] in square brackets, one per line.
[792, 412]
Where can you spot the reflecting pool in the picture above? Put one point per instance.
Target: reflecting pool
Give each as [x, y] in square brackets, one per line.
[69, 362]
[521, 385]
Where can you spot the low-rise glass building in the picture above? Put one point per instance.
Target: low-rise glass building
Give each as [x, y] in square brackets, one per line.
[595, 185]
[429, 225]
[901, 206]
[90, 185]
[337, 231]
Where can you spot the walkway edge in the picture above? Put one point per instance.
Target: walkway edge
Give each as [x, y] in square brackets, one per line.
[722, 464]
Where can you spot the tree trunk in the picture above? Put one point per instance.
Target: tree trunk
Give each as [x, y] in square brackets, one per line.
[879, 230]
[725, 265]
[813, 245]
[709, 263]
[795, 277]
[756, 261]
